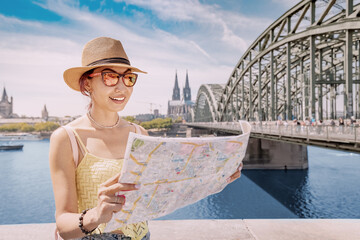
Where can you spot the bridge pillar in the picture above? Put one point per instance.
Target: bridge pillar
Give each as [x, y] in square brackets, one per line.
[267, 154]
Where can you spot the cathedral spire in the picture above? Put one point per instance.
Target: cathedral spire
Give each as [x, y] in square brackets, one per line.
[176, 90]
[4, 96]
[186, 89]
[187, 85]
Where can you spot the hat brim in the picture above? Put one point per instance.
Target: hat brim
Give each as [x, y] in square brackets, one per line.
[72, 75]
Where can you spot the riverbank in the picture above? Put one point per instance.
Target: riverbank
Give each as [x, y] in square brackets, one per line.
[244, 229]
[24, 136]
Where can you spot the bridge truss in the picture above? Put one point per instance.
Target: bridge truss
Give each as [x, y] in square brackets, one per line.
[304, 65]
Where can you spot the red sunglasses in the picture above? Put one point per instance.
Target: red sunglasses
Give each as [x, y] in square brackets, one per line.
[110, 79]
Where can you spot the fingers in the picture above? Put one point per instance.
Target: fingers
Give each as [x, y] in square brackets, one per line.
[118, 199]
[112, 199]
[240, 166]
[112, 204]
[113, 207]
[235, 175]
[112, 180]
[117, 187]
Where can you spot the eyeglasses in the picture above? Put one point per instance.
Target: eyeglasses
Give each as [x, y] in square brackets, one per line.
[110, 79]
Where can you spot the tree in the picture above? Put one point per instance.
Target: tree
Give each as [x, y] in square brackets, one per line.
[46, 126]
[157, 123]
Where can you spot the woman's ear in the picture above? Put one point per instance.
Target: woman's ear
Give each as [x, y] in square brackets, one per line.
[87, 85]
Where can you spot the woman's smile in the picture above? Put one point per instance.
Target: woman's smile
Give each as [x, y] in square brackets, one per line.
[118, 100]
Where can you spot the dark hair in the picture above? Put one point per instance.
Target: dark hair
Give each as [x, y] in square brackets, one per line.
[82, 81]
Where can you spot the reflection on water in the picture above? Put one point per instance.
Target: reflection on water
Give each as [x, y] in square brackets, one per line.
[287, 187]
[329, 189]
[240, 199]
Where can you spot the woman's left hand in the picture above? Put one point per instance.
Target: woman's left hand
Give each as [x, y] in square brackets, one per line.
[235, 175]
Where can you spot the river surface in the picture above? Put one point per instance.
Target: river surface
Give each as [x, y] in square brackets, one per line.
[330, 188]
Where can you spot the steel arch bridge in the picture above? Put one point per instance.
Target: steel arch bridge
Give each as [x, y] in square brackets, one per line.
[306, 64]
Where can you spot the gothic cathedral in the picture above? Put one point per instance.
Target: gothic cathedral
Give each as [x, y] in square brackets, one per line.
[181, 107]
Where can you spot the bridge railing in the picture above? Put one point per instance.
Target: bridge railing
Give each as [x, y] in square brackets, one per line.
[327, 133]
[349, 134]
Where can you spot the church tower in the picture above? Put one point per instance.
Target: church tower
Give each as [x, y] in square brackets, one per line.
[186, 89]
[4, 96]
[6, 106]
[45, 113]
[176, 89]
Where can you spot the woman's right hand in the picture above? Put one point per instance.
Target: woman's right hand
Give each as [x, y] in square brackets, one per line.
[108, 202]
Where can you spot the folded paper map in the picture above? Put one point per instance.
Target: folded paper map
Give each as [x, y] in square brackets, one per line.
[175, 172]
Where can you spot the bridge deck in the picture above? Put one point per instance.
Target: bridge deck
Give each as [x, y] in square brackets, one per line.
[338, 137]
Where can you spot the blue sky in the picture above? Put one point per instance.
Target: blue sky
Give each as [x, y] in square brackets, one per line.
[42, 38]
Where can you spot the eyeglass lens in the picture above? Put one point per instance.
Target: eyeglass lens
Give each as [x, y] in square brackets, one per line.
[111, 79]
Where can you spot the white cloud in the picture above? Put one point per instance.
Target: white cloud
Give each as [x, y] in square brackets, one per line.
[32, 65]
[35, 54]
[208, 16]
[186, 10]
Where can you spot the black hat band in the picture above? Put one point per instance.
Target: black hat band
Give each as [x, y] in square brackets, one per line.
[110, 60]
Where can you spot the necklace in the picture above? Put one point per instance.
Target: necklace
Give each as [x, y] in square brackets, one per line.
[102, 126]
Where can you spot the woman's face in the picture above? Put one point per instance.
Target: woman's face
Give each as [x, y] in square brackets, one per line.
[110, 98]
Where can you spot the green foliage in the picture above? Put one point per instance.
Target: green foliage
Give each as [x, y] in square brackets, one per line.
[46, 126]
[157, 123]
[10, 127]
[131, 119]
[178, 120]
[25, 127]
[16, 127]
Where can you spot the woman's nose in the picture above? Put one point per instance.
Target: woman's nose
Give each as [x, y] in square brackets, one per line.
[120, 85]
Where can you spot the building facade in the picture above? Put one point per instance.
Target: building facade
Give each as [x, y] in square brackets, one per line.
[6, 106]
[181, 106]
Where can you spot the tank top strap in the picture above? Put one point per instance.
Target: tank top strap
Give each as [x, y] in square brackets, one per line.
[73, 142]
[137, 128]
[81, 144]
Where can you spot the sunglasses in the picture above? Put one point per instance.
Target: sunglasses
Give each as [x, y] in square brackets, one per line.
[110, 79]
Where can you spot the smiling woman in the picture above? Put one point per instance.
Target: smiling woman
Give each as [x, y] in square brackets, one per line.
[87, 154]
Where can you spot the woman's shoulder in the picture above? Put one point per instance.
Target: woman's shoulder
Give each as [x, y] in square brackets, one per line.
[142, 130]
[61, 135]
[78, 123]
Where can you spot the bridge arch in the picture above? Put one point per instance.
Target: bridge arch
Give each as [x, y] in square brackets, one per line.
[206, 102]
[306, 64]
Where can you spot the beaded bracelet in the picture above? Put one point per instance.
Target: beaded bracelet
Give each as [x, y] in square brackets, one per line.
[81, 226]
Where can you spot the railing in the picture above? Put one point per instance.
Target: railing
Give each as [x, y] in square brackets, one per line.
[345, 134]
[325, 133]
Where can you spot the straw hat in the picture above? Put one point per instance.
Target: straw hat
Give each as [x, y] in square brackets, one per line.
[99, 52]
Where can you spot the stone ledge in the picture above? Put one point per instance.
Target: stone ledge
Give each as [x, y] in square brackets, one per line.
[247, 229]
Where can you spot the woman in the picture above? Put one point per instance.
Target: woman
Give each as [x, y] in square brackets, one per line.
[86, 154]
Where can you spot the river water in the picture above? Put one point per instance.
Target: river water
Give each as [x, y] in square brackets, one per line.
[330, 188]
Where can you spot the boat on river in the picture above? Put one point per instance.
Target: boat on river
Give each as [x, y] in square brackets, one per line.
[11, 146]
